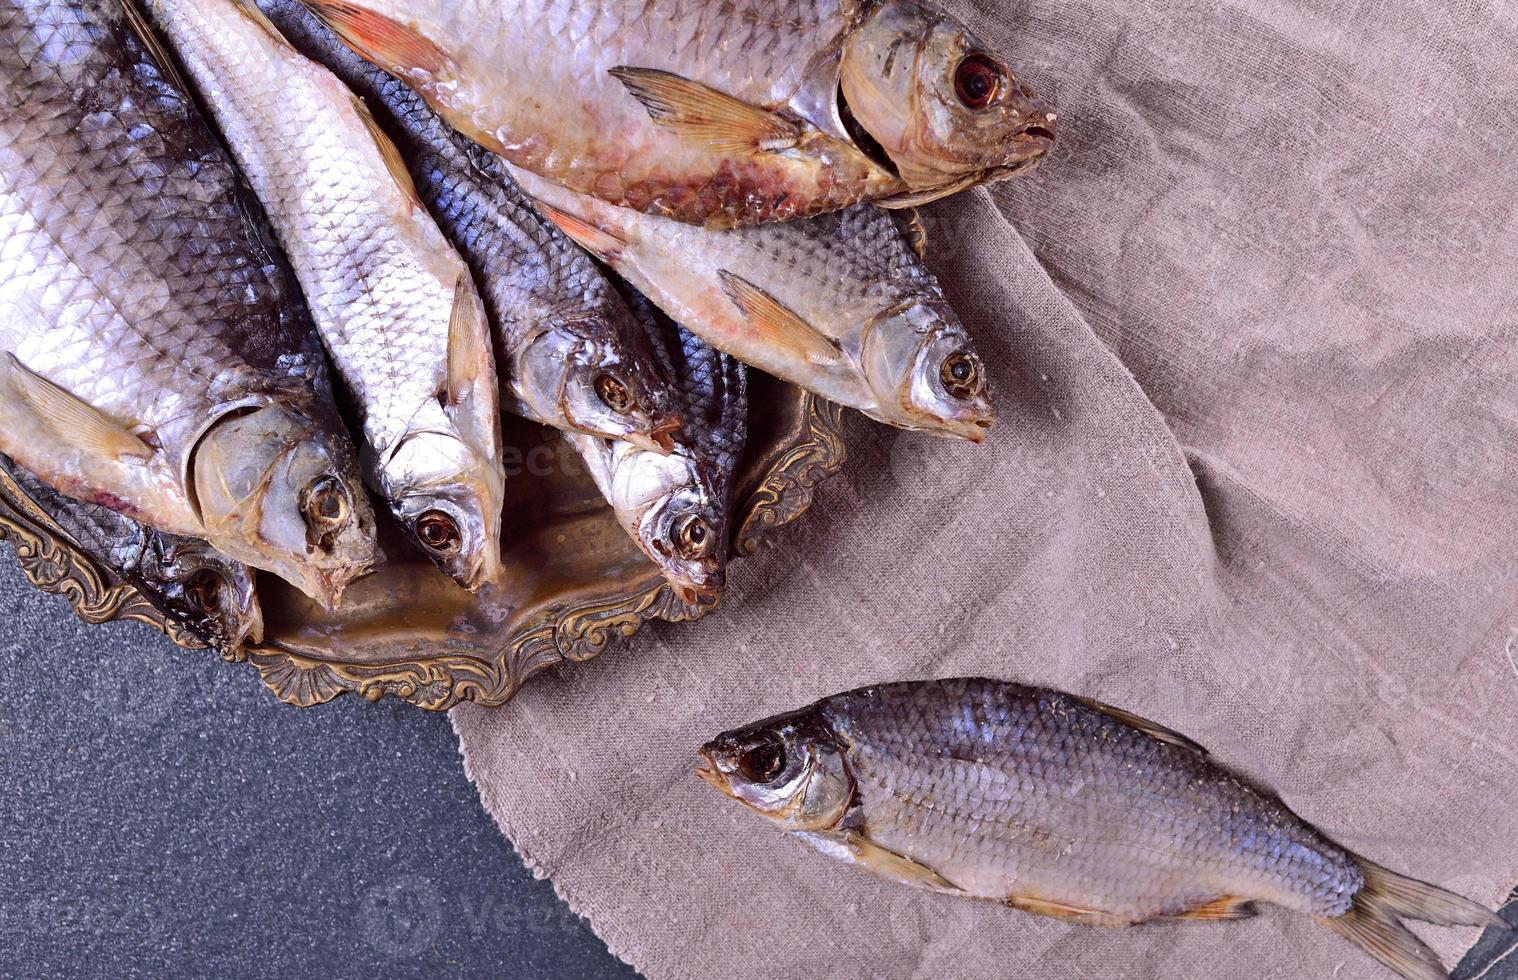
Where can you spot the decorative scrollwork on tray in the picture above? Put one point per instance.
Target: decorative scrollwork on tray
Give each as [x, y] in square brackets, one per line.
[578, 631]
[786, 491]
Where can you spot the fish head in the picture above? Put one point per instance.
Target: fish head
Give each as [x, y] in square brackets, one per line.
[211, 594]
[677, 519]
[790, 768]
[597, 391]
[925, 373]
[945, 109]
[276, 492]
[448, 497]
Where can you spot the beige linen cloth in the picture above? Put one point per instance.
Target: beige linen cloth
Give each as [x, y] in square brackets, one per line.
[1255, 477]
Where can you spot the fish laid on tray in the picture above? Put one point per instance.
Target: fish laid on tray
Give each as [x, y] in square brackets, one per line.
[838, 304]
[569, 353]
[395, 305]
[184, 578]
[679, 507]
[1058, 805]
[154, 359]
[723, 114]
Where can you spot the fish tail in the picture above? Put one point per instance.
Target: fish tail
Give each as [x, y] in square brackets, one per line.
[1373, 920]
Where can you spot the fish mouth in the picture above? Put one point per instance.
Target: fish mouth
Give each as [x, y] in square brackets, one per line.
[249, 618]
[706, 770]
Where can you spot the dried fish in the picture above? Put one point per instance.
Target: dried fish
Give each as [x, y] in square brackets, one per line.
[729, 114]
[156, 359]
[1062, 806]
[394, 303]
[838, 304]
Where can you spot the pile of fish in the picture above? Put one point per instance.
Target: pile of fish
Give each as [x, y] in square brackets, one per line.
[270, 272]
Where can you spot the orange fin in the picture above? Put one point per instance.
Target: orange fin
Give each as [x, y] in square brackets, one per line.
[702, 114]
[1218, 910]
[388, 43]
[854, 848]
[1144, 725]
[915, 230]
[597, 241]
[777, 323]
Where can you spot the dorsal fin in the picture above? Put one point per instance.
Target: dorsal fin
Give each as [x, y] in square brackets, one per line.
[701, 114]
[1144, 725]
[388, 152]
[144, 33]
[778, 323]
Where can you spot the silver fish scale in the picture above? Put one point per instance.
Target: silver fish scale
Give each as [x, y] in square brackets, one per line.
[129, 271]
[1009, 790]
[532, 278]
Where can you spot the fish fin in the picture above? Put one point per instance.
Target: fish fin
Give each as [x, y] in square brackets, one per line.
[388, 152]
[1398, 895]
[386, 42]
[1218, 910]
[701, 114]
[595, 240]
[139, 26]
[1152, 729]
[778, 323]
[468, 340]
[250, 10]
[1059, 910]
[916, 199]
[78, 423]
[854, 848]
[1389, 941]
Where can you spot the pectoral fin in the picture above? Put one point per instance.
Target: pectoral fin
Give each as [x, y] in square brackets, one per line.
[468, 342]
[83, 453]
[386, 42]
[1144, 725]
[597, 241]
[779, 325]
[701, 114]
[74, 421]
[854, 848]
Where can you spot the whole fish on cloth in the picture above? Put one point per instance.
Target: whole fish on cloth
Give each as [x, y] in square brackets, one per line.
[206, 593]
[569, 353]
[679, 507]
[156, 360]
[394, 303]
[838, 304]
[723, 114]
[1062, 806]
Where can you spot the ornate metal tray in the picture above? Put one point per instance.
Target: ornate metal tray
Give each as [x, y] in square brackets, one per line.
[406, 631]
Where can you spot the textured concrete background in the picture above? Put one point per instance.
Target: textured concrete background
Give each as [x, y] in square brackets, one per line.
[162, 815]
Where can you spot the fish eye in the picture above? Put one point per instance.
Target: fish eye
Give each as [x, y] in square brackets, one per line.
[613, 393]
[694, 537]
[960, 374]
[764, 762]
[326, 503]
[203, 590]
[439, 532]
[978, 81]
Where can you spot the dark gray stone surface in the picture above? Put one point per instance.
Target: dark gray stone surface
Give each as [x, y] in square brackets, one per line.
[162, 815]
